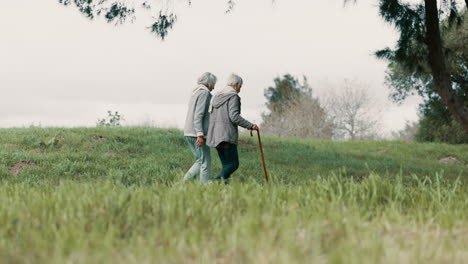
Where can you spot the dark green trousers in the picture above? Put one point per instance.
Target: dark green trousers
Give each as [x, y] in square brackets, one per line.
[229, 159]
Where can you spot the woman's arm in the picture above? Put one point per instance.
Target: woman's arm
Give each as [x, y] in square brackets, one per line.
[234, 113]
[200, 112]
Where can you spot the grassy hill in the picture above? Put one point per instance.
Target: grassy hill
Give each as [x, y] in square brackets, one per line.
[105, 195]
[148, 155]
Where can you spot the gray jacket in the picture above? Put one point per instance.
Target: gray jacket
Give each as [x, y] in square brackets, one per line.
[225, 118]
[197, 120]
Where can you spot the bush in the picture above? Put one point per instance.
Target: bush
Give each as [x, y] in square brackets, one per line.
[112, 120]
[438, 125]
[430, 131]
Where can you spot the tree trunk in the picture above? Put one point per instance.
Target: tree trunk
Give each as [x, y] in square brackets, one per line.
[441, 76]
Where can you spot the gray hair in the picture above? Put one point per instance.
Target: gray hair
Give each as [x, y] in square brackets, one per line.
[208, 79]
[234, 79]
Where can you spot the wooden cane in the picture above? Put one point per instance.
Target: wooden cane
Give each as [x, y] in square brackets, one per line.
[261, 151]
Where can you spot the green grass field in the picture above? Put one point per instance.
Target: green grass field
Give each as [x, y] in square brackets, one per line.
[113, 195]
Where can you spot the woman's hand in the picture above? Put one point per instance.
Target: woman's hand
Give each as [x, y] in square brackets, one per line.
[199, 142]
[255, 127]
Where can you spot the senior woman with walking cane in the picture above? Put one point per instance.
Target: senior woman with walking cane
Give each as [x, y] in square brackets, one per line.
[196, 128]
[225, 117]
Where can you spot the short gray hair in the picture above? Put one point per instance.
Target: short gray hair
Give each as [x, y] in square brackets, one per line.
[208, 79]
[234, 79]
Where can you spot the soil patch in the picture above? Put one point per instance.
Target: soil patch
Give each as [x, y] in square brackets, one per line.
[16, 169]
[109, 154]
[98, 139]
[449, 160]
[9, 145]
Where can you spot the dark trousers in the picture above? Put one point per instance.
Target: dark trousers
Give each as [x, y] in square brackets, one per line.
[229, 159]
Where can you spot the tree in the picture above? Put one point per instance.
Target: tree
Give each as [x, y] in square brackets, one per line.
[437, 123]
[285, 92]
[294, 112]
[353, 111]
[420, 52]
[121, 11]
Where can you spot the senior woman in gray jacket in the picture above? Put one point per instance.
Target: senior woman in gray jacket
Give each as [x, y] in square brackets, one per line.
[223, 132]
[196, 128]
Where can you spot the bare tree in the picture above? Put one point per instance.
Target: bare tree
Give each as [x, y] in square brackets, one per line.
[293, 111]
[354, 112]
[304, 118]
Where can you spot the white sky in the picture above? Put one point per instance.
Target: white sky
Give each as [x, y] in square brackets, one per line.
[59, 69]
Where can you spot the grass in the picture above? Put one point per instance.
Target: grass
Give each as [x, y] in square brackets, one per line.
[111, 195]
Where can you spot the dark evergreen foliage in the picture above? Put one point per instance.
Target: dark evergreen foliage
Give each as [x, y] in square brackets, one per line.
[162, 24]
[414, 68]
[119, 12]
[437, 123]
[286, 91]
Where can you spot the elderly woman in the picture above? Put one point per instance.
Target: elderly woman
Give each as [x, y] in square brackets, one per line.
[196, 128]
[223, 132]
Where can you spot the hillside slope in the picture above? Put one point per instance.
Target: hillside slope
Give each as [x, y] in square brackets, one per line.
[113, 195]
[147, 155]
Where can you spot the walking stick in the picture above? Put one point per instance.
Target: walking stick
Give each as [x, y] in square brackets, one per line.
[261, 151]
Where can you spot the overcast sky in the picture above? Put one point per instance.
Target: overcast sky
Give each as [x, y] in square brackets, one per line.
[57, 68]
